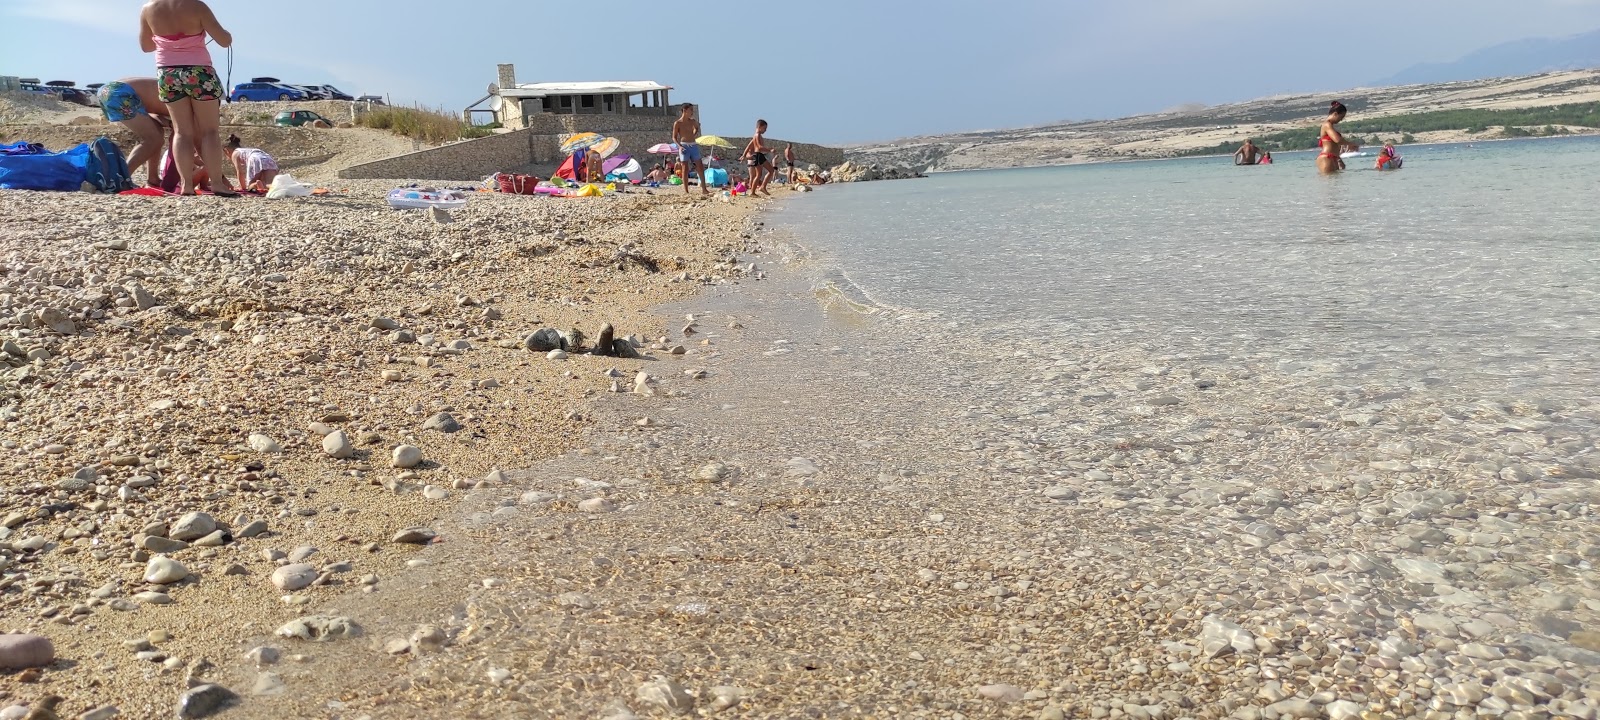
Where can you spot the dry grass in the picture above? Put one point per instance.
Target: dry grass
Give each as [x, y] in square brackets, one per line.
[424, 124]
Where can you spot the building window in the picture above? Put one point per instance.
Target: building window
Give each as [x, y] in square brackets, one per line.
[566, 101]
[546, 103]
[588, 101]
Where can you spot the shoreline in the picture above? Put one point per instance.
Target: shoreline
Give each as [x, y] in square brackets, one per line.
[1118, 161]
[322, 315]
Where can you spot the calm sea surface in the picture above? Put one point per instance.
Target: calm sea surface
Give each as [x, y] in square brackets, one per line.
[1474, 266]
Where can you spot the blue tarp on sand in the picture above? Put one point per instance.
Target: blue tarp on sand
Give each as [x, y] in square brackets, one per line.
[64, 171]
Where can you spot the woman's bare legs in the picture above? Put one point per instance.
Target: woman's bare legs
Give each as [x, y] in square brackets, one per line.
[207, 118]
[184, 136]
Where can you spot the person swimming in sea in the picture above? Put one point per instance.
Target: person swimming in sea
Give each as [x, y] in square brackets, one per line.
[1332, 141]
[1248, 154]
[1389, 159]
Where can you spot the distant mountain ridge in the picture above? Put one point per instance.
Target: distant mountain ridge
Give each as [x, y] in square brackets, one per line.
[1518, 57]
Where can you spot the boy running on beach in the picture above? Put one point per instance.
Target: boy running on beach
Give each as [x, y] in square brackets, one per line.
[755, 155]
[684, 133]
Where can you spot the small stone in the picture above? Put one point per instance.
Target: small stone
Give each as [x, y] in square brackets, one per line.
[25, 651]
[676, 350]
[337, 444]
[1295, 708]
[104, 712]
[397, 646]
[263, 655]
[205, 701]
[151, 597]
[596, 505]
[713, 472]
[263, 443]
[414, 536]
[254, 529]
[267, 684]
[605, 343]
[164, 571]
[434, 492]
[665, 694]
[320, 628]
[443, 422]
[1001, 693]
[407, 456]
[192, 526]
[428, 637]
[543, 340]
[158, 544]
[556, 355]
[290, 578]
[217, 538]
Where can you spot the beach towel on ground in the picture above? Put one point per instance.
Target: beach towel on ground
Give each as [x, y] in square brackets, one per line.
[22, 148]
[63, 171]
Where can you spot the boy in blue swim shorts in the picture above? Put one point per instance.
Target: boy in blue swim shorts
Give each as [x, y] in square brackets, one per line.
[684, 133]
[135, 103]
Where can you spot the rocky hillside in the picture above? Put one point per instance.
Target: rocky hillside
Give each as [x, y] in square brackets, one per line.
[1172, 133]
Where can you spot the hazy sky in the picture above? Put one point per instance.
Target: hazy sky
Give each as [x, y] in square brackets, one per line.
[819, 70]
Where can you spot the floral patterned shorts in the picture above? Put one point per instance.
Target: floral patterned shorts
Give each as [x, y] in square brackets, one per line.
[188, 82]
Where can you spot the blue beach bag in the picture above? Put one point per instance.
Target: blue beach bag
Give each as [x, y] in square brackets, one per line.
[63, 171]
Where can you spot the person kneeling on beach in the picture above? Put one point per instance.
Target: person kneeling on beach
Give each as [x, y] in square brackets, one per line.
[254, 168]
[135, 103]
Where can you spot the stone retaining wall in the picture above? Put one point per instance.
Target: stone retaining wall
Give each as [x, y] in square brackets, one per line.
[539, 153]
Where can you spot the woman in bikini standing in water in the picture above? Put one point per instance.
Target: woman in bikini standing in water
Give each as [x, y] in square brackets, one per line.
[1331, 141]
[176, 30]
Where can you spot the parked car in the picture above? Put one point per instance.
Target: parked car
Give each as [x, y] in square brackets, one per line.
[266, 92]
[330, 92]
[296, 118]
[371, 99]
[69, 92]
[59, 89]
[313, 92]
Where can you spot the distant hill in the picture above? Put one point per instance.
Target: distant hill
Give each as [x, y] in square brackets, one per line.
[1554, 103]
[1518, 57]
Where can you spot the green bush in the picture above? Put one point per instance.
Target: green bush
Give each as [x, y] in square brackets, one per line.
[429, 125]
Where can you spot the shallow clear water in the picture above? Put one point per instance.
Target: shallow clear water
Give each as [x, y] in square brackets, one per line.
[1472, 265]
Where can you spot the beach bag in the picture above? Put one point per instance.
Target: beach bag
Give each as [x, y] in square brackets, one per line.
[62, 171]
[107, 169]
[515, 184]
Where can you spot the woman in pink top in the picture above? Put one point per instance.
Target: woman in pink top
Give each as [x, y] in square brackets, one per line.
[176, 30]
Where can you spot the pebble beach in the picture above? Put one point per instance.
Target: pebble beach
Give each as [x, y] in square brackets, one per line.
[214, 410]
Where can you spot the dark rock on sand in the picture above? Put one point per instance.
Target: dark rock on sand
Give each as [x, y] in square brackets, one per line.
[205, 701]
[544, 340]
[603, 344]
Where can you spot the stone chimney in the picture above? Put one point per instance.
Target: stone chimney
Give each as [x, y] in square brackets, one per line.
[508, 76]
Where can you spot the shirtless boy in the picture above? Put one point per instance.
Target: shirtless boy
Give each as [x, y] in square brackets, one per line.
[755, 155]
[684, 133]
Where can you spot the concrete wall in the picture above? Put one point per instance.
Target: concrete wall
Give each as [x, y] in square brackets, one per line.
[538, 152]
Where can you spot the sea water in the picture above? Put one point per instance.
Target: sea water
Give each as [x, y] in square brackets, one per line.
[1475, 265]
